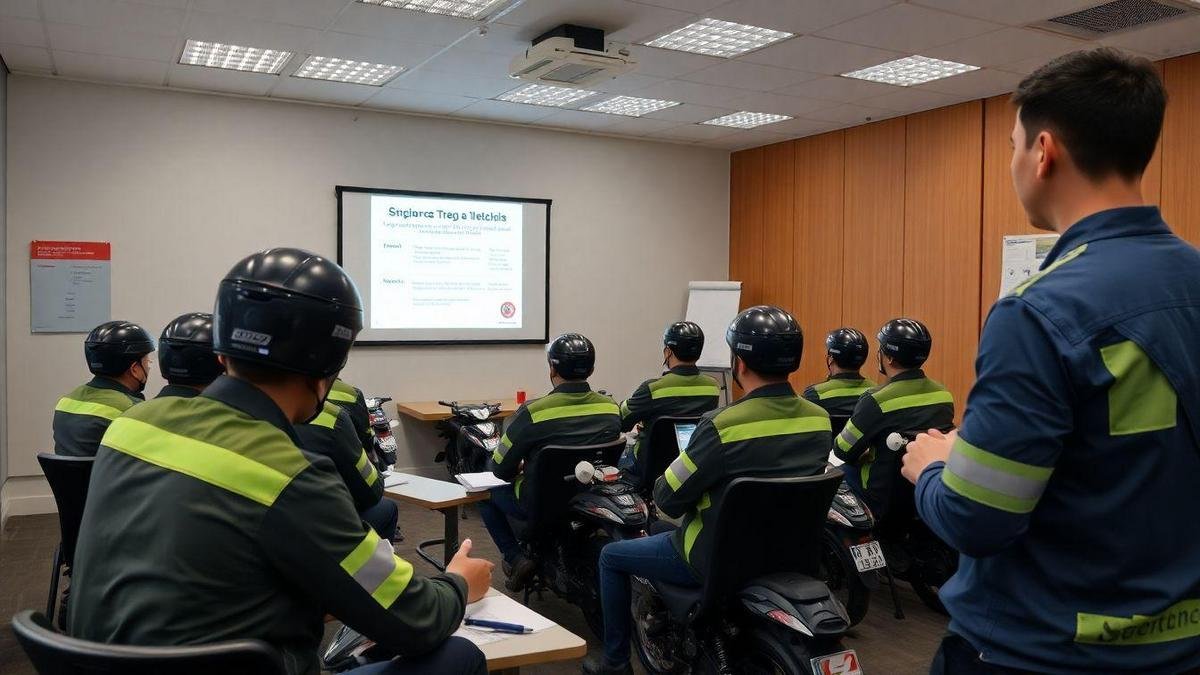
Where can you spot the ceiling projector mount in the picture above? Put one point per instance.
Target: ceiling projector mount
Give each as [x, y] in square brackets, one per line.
[573, 56]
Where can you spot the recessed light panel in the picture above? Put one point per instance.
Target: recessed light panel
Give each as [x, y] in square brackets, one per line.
[467, 9]
[629, 106]
[345, 70]
[233, 57]
[911, 70]
[746, 120]
[544, 94]
[718, 38]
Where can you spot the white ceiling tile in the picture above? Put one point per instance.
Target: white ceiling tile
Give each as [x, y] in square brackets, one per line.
[310, 13]
[1169, 38]
[418, 101]
[670, 63]
[468, 62]
[753, 76]
[908, 28]
[579, 119]
[458, 85]
[361, 48]
[621, 20]
[175, 4]
[691, 92]
[110, 42]
[795, 17]
[302, 89]
[109, 68]
[976, 84]
[499, 39]
[778, 104]
[216, 79]
[694, 132]
[640, 126]
[21, 9]
[911, 99]
[504, 111]
[627, 84]
[801, 127]
[818, 55]
[26, 59]
[747, 138]
[129, 16]
[1013, 13]
[851, 113]
[690, 112]
[22, 32]
[841, 89]
[696, 6]
[401, 24]
[1005, 46]
[247, 33]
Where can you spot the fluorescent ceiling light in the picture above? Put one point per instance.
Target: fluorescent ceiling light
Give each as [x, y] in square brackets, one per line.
[911, 70]
[233, 57]
[629, 106]
[718, 38]
[747, 120]
[345, 70]
[467, 9]
[544, 94]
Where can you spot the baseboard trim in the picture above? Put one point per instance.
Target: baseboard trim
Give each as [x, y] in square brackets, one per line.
[25, 496]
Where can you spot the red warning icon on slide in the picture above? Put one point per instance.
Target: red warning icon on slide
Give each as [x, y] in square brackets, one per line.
[507, 310]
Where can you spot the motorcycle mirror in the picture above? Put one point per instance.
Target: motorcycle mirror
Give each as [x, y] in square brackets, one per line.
[394, 423]
[896, 442]
[585, 472]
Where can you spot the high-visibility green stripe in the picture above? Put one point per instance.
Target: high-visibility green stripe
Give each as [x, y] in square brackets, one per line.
[1180, 621]
[520, 480]
[328, 416]
[203, 461]
[982, 495]
[694, 527]
[1004, 464]
[624, 410]
[845, 391]
[345, 397]
[358, 557]
[582, 410]
[501, 449]
[74, 407]
[367, 469]
[1141, 399]
[1066, 258]
[672, 479]
[916, 401]
[842, 444]
[764, 428]
[394, 585]
[695, 390]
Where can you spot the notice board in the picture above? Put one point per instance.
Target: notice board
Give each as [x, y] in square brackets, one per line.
[70, 284]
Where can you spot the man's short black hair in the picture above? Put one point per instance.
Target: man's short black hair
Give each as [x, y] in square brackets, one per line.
[1105, 106]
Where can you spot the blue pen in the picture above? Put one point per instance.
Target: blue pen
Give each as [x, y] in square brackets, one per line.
[498, 626]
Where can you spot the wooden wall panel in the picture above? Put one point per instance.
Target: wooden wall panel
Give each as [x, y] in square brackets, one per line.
[1181, 147]
[942, 229]
[1152, 179]
[746, 223]
[779, 179]
[817, 252]
[873, 227]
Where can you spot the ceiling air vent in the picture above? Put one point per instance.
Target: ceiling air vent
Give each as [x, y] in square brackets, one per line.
[1113, 17]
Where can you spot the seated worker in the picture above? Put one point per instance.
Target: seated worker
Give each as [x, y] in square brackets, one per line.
[571, 414]
[682, 391]
[907, 401]
[185, 355]
[332, 434]
[207, 522]
[350, 398]
[769, 432]
[845, 353]
[118, 354]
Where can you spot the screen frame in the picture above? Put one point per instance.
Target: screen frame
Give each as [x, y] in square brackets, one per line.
[339, 190]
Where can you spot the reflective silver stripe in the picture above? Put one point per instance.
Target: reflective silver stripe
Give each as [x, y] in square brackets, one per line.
[982, 475]
[377, 568]
[366, 470]
[848, 436]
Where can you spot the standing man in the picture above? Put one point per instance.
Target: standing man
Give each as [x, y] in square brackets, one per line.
[185, 355]
[1070, 486]
[118, 355]
[845, 353]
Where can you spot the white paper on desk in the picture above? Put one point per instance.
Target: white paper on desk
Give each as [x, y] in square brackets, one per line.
[478, 482]
[392, 480]
[505, 609]
[834, 460]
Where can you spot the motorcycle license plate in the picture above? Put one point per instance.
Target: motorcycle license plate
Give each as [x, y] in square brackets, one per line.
[868, 556]
[841, 663]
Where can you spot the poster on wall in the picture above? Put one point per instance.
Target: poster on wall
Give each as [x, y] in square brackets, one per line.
[1022, 256]
[70, 285]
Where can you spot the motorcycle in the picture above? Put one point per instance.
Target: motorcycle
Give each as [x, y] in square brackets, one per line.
[382, 425]
[472, 435]
[850, 555]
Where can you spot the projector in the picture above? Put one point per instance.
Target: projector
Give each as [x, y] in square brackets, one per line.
[573, 56]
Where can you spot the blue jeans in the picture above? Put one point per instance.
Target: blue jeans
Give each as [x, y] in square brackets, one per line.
[495, 511]
[455, 656]
[652, 557]
[382, 517]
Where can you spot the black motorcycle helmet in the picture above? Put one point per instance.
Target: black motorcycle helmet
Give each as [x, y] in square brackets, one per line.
[685, 339]
[185, 350]
[113, 346]
[847, 347]
[907, 341]
[767, 339]
[288, 309]
[572, 356]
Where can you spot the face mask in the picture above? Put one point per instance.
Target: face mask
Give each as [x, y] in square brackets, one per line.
[829, 364]
[142, 381]
[666, 360]
[733, 370]
[319, 396]
[879, 358]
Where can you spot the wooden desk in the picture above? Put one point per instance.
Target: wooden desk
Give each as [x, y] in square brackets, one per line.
[435, 495]
[547, 646]
[432, 411]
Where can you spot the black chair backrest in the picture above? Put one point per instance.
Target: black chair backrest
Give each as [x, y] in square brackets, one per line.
[766, 525]
[546, 492]
[53, 653]
[838, 422]
[659, 447]
[68, 478]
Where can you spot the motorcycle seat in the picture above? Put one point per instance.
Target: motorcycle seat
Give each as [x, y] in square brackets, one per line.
[681, 601]
[794, 587]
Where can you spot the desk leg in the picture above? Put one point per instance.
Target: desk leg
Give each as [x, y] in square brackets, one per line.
[449, 541]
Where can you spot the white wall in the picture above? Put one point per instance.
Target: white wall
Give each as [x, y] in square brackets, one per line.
[183, 185]
[3, 297]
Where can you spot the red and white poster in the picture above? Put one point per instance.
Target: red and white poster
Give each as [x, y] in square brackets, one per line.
[70, 285]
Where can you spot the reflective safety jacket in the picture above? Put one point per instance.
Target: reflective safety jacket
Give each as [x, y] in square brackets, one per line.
[1071, 490]
[350, 398]
[205, 522]
[768, 433]
[332, 434]
[681, 392]
[571, 414]
[840, 393]
[178, 390]
[82, 416]
[909, 401]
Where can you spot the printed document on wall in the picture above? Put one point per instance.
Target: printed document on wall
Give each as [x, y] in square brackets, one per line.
[1022, 256]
